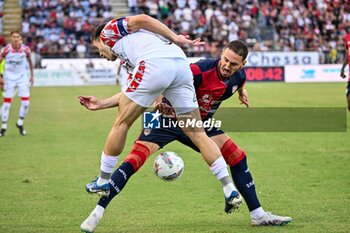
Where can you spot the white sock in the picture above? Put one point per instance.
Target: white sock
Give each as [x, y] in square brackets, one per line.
[228, 189]
[4, 125]
[257, 213]
[219, 169]
[107, 164]
[99, 210]
[100, 181]
[20, 122]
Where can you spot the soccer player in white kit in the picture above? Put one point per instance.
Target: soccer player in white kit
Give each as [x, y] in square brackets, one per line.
[15, 76]
[158, 67]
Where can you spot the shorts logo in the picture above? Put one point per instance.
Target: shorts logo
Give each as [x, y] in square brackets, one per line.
[151, 120]
[135, 80]
[147, 131]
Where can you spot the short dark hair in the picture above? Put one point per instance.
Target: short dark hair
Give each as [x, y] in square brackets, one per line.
[14, 32]
[239, 47]
[97, 32]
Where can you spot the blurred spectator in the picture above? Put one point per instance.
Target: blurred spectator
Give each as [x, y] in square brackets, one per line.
[63, 27]
[1, 16]
[265, 25]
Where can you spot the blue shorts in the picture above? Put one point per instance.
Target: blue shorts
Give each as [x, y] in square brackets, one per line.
[163, 136]
[348, 89]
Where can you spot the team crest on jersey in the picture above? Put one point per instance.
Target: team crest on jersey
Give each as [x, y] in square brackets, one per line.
[234, 89]
[206, 100]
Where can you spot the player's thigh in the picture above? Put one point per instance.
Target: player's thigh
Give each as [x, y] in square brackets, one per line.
[129, 111]
[23, 89]
[9, 88]
[181, 93]
[192, 129]
[148, 81]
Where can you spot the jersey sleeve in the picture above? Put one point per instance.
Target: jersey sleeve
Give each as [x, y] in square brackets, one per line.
[115, 30]
[243, 76]
[27, 51]
[197, 75]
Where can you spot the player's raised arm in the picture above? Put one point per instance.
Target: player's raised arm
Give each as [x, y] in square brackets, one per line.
[148, 23]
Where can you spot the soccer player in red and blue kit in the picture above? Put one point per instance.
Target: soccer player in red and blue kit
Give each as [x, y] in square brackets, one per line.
[215, 80]
[345, 63]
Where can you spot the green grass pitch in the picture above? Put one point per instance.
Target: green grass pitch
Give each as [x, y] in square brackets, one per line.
[42, 175]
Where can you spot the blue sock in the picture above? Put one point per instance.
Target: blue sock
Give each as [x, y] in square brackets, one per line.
[117, 182]
[245, 184]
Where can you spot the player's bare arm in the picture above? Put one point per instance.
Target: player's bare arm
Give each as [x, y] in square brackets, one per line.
[345, 62]
[243, 96]
[31, 67]
[148, 23]
[93, 103]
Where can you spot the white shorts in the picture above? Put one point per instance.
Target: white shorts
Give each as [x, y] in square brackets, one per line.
[171, 77]
[22, 84]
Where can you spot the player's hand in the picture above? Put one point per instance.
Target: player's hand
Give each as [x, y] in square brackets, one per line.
[184, 40]
[31, 80]
[90, 102]
[342, 73]
[165, 109]
[243, 98]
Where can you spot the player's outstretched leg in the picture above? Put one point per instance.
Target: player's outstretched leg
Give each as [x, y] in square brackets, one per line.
[136, 158]
[237, 160]
[128, 113]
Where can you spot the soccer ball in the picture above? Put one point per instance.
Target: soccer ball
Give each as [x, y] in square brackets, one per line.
[168, 166]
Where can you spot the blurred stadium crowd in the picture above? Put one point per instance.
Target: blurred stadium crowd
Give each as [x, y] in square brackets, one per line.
[61, 28]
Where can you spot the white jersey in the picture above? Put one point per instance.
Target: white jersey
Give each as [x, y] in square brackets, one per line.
[137, 46]
[15, 61]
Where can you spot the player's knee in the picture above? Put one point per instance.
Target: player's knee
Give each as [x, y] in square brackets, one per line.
[232, 153]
